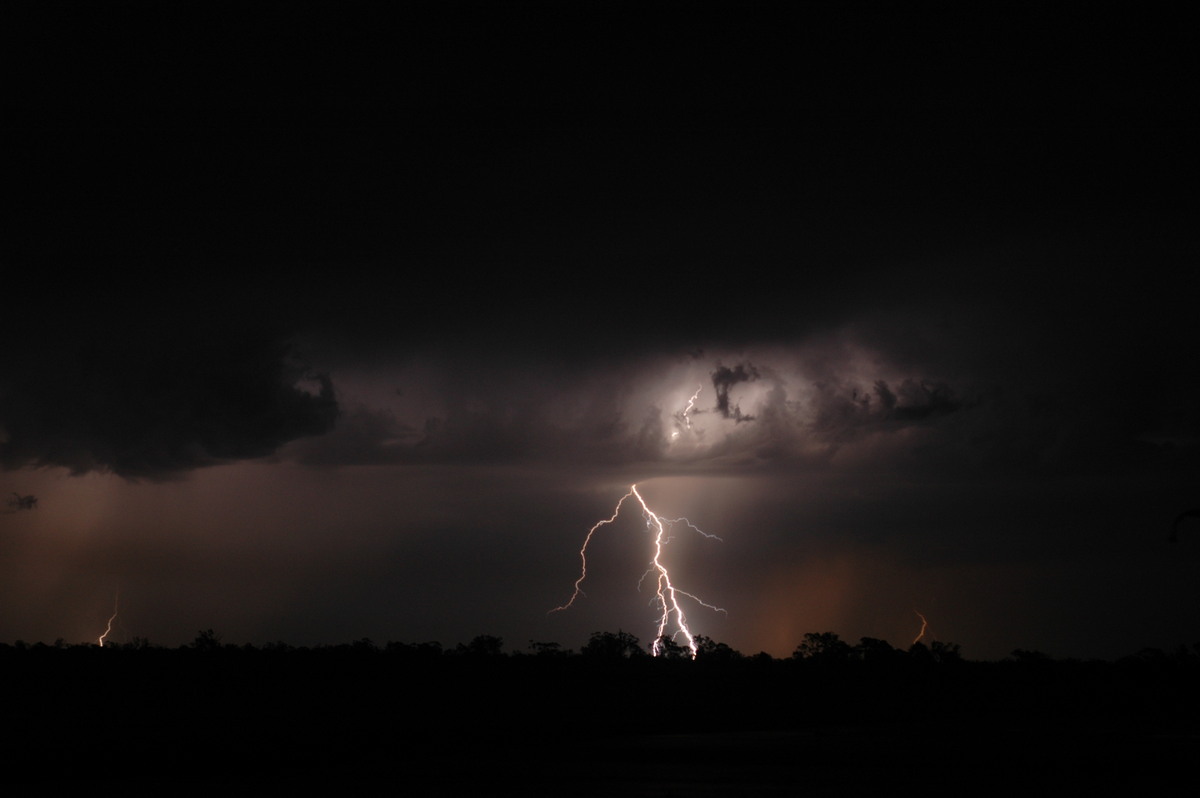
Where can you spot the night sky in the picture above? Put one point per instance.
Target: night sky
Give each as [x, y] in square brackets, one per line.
[322, 324]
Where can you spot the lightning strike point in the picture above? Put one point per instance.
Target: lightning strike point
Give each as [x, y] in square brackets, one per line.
[666, 595]
[108, 629]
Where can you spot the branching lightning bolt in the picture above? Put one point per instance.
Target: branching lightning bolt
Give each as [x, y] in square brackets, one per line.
[108, 629]
[666, 594]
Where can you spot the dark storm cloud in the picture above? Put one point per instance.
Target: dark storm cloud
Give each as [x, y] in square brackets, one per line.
[916, 401]
[723, 379]
[151, 397]
[842, 413]
[362, 436]
[20, 502]
[509, 429]
[805, 424]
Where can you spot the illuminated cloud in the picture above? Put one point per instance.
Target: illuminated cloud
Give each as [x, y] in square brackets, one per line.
[630, 414]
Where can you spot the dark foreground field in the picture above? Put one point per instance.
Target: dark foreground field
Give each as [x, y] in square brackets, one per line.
[416, 718]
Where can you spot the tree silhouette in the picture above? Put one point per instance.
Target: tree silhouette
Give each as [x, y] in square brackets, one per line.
[669, 649]
[945, 652]
[709, 650]
[547, 649]
[874, 651]
[207, 640]
[825, 647]
[609, 646]
[482, 646]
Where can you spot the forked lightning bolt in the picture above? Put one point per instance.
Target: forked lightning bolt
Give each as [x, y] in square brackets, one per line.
[666, 595]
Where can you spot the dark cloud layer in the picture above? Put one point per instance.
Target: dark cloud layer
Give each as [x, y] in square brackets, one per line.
[723, 379]
[150, 398]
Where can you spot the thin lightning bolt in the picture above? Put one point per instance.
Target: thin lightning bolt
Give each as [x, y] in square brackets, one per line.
[666, 594]
[684, 414]
[924, 626]
[691, 403]
[116, 604]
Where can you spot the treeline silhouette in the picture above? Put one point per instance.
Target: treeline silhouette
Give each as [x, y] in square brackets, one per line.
[218, 711]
